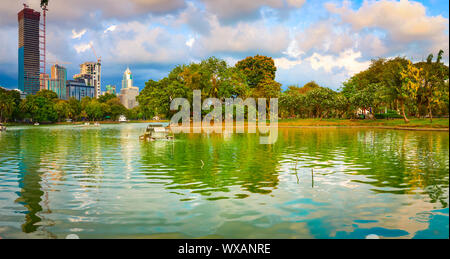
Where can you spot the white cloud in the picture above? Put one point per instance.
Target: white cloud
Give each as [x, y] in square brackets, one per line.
[243, 38]
[110, 28]
[324, 36]
[78, 35]
[144, 45]
[296, 3]
[245, 9]
[293, 50]
[190, 42]
[285, 63]
[347, 60]
[82, 47]
[404, 22]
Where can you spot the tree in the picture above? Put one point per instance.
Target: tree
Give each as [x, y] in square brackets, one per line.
[213, 77]
[74, 108]
[321, 101]
[41, 106]
[364, 98]
[432, 90]
[62, 108]
[94, 110]
[106, 97]
[394, 84]
[267, 88]
[9, 104]
[341, 105]
[47, 94]
[256, 69]
[115, 109]
[308, 87]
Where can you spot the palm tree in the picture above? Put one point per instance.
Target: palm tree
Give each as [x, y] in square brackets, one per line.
[7, 106]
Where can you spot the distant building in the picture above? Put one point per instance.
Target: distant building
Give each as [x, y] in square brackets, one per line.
[78, 89]
[92, 72]
[128, 93]
[128, 97]
[111, 89]
[127, 79]
[29, 55]
[57, 82]
[88, 79]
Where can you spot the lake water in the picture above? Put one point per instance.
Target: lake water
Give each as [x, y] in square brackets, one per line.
[312, 183]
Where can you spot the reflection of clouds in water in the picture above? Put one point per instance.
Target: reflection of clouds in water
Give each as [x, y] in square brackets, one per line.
[108, 183]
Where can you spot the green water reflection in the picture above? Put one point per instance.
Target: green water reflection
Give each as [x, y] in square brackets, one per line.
[313, 183]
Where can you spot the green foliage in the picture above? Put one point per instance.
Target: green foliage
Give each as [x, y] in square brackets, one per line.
[312, 100]
[9, 104]
[106, 97]
[114, 109]
[398, 84]
[433, 92]
[62, 108]
[390, 114]
[41, 107]
[364, 98]
[94, 109]
[395, 84]
[256, 69]
[213, 77]
[74, 109]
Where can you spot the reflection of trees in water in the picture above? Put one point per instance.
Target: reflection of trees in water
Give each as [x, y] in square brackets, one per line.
[42, 156]
[408, 161]
[403, 160]
[240, 161]
[398, 162]
[34, 149]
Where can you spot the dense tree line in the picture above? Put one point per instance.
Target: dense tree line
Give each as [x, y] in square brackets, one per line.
[251, 77]
[45, 106]
[394, 87]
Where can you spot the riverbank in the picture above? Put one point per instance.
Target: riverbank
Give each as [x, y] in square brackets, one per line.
[82, 122]
[414, 124]
[438, 124]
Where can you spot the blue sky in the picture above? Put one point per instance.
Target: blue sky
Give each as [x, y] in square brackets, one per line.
[326, 40]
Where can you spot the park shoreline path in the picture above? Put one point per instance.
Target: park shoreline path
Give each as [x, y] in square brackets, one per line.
[366, 126]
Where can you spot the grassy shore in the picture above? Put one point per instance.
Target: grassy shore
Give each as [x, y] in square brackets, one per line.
[81, 122]
[438, 123]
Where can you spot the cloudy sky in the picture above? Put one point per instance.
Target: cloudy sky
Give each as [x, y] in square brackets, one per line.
[322, 40]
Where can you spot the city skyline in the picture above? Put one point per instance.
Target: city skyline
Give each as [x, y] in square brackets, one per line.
[328, 43]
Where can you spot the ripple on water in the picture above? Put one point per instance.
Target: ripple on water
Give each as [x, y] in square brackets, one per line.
[320, 183]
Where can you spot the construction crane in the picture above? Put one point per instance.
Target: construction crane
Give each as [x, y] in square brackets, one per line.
[42, 38]
[56, 62]
[99, 59]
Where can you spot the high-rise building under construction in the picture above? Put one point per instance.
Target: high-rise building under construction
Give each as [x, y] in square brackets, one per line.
[94, 70]
[57, 82]
[29, 56]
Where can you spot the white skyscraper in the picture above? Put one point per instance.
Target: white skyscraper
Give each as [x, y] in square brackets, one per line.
[127, 79]
[128, 93]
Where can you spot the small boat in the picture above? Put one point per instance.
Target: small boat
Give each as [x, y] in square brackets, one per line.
[2, 128]
[36, 124]
[156, 132]
[96, 124]
[87, 124]
[122, 118]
